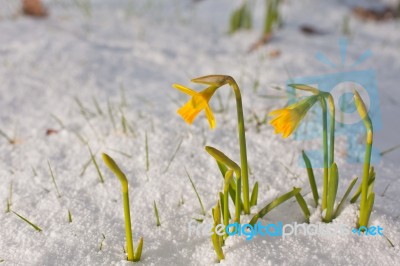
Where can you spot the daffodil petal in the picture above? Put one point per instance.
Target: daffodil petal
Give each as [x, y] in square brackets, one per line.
[184, 89]
[275, 112]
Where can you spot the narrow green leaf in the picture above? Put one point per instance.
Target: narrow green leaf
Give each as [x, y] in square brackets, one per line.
[332, 191]
[303, 206]
[254, 195]
[37, 228]
[203, 211]
[371, 179]
[216, 239]
[311, 178]
[158, 223]
[222, 158]
[173, 155]
[58, 120]
[370, 205]
[222, 167]
[102, 241]
[54, 180]
[97, 106]
[69, 217]
[95, 164]
[273, 204]
[10, 140]
[390, 242]
[138, 253]
[147, 152]
[344, 198]
[111, 115]
[390, 150]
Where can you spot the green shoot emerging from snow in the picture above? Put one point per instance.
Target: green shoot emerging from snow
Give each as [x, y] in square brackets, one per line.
[132, 255]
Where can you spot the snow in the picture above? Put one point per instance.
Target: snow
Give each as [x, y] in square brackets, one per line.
[145, 47]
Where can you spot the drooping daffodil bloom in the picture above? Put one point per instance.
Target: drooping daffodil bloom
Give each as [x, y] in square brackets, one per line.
[288, 119]
[197, 103]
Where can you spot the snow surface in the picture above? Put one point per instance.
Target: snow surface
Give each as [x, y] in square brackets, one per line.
[144, 47]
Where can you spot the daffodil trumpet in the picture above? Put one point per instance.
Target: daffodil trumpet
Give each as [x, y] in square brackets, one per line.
[367, 194]
[200, 101]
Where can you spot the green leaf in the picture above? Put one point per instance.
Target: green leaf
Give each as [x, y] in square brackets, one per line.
[241, 18]
[311, 178]
[69, 217]
[303, 206]
[216, 239]
[222, 158]
[344, 198]
[371, 179]
[138, 253]
[254, 195]
[232, 188]
[332, 191]
[273, 204]
[158, 223]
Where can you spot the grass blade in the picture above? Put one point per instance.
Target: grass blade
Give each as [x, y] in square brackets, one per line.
[59, 121]
[96, 165]
[147, 152]
[69, 216]
[158, 223]
[344, 198]
[203, 211]
[54, 180]
[389, 150]
[97, 106]
[9, 200]
[311, 178]
[275, 203]
[111, 115]
[37, 228]
[173, 155]
[85, 166]
[10, 140]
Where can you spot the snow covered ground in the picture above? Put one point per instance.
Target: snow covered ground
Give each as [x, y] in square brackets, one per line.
[126, 54]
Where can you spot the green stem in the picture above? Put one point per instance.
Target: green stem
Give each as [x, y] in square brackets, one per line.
[125, 196]
[331, 104]
[325, 145]
[242, 143]
[363, 221]
[128, 229]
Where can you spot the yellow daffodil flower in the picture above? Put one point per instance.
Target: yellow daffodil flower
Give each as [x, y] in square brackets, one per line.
[288, 119]
[196, 104]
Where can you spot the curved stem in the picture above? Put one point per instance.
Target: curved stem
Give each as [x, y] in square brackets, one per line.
[242, 143]
[325, 146]
[125, 196]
